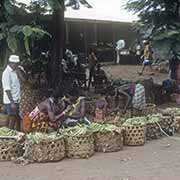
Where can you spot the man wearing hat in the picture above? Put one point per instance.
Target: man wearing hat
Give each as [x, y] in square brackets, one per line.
[11, 92]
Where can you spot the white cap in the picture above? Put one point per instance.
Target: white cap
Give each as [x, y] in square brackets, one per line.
[14, 59]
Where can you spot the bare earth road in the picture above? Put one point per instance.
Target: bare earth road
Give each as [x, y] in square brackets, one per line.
[129, 72]
[156, 160]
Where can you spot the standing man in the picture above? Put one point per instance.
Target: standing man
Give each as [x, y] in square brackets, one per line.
[148, 57]
[11, 92]
[92, 60]
[119, 46]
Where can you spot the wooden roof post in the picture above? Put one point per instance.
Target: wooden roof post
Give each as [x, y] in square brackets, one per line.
[114, 45]
[95, 33]
[85, 40]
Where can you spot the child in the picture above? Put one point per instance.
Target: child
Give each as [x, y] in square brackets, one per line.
[100, 110]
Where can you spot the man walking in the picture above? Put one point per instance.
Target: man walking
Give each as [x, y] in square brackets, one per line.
[148, 57]
[11, 92]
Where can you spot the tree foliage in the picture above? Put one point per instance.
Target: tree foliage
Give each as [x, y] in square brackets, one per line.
[160, 21]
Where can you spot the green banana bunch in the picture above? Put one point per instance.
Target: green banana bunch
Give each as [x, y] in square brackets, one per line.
[7, 132]
[95, 127]
[77, 130]
[135, 121]
[39, 137]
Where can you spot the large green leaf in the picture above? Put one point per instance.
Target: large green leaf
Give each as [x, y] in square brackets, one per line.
[2, 36]
[9, 7]
[27, 31]
[16, 29]
[40, 32]
[12, 43]
[26, 43]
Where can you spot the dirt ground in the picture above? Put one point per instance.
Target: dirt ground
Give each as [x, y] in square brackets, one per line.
[156, 160]
[129, 72]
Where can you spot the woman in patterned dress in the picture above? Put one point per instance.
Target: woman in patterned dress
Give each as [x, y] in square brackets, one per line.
[43, 116]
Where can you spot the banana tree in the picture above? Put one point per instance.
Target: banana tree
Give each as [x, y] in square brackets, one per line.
[12, 30]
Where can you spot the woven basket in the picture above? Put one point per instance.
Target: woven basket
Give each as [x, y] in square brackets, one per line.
[149, 109]
[167, 124]
[80, 147]
[46, 151]
[10, 147]
[108, 141]
[134, 135]
[153, 131]
[177, 124]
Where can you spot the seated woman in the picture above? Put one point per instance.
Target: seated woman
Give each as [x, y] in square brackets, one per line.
[43, 116]
[75, 109]
[134, 94]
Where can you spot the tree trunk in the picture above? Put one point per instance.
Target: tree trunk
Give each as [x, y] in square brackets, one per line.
[58, 43]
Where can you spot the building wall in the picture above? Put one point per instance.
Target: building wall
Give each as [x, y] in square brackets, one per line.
[82, 34]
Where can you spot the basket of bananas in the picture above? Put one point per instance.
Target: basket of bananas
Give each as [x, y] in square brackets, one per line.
[40, 147]
[153, 126]
[174, 111]
[108, 137]
[177, 124]
[10, 144]
[79, 142]
[167, 124]
[135, 131]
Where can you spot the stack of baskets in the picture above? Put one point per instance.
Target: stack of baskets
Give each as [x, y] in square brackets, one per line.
[177, 123]
[108, 141]
[46, 151]
[153, 131]
[167, 124]
[176, 118]
[81, 146]
[134, 135]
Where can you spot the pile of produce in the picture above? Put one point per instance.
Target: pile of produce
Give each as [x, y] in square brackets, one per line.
[135, 121]
[154, 118]
[171, 111]
[77, 130]
[95, 127]
[7, 132]
[37, 137]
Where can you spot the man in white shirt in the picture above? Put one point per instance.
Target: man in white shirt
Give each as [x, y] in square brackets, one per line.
[119, 46]
[11, 92]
